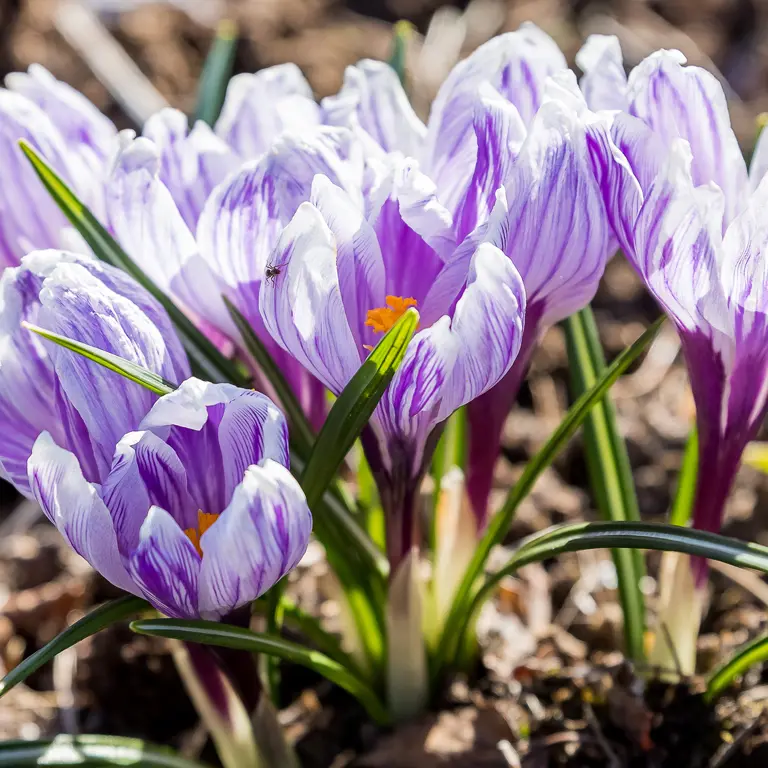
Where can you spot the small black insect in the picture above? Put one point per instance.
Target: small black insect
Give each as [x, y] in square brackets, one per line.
[272, 271]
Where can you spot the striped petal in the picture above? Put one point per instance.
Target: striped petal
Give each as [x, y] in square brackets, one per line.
[373, 99]
[260, 536]
[604, 83]
[73, 505]
[259, 107]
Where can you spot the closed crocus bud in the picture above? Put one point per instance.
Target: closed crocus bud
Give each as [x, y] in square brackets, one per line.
[141, 487]
[709, 280]
[198, 512]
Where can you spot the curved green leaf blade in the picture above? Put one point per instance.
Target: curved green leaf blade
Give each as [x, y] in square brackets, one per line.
[95, 621]
[754, 652]
[86, 751]
[126, 368]
[499, 524]
[402, 33]
[355, 405]
[609, 469]
[682, 507]
[206, 359]
[216, 73]
[614, 535]
[302, 434]
[227, 636]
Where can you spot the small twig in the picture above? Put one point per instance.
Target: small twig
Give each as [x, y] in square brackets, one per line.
[727, 751]
[108, 60]
[612, 757]
[672, 649]
[748, 580]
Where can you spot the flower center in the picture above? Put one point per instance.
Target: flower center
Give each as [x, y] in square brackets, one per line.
[204, 521]
[382, 319]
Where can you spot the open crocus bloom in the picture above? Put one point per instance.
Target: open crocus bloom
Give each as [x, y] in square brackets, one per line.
[710, 280]
[185, 500]
[347, 276]
[485, 134]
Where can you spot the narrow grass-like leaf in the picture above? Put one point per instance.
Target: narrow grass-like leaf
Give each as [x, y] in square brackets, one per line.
[754, 652]
[224, 635]
[302, 434]
[609, 469]
[499, 524]
[355, 405]
[216, 73]
[126, 368]
[682, 507]
[205, 358]
[90, 752]
[402, 33]
[95, 621]
[614, 535]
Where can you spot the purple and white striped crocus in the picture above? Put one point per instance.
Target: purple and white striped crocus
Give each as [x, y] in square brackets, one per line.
[489, 135]
[676, 101]
[348, 275]
[708, 273]
[185, 499]
[80, 144]
[226, 251]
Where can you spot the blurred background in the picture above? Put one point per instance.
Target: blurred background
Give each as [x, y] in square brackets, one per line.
[131, 57]
[168, 40]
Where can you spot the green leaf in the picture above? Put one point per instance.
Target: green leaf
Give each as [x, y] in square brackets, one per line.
[205, 358]
[754, 652]
[226, 636]
[126, 368]
[756, 456]
[609, 469]
[216, 73]
[402, 33]
[682, 507]
[499, 524]
[355, 405]
[86, 751]
[95, 621]
[614, 535]
[302, 434]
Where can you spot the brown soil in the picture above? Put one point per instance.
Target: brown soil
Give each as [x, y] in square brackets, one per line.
[551, 689]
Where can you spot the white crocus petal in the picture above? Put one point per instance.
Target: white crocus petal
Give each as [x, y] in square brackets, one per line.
[604, 83]
[259, 107]
[678, 247]
[517, 65]
[373, 99]
[302, 307]
[192, 162]
[166, 566]
[73, 505]
[359, 263]
[689, 103]
[149, 226]
[260, 536]
[487, 328]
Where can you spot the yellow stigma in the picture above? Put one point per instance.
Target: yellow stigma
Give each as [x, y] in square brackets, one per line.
[382, 319]
[204, 521]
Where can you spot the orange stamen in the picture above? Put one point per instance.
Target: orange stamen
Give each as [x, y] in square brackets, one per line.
[382, 319]
[204, 521]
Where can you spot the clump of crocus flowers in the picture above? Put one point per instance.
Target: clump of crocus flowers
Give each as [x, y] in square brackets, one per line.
[294, 238]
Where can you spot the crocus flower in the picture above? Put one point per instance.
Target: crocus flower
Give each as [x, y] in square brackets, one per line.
[80, 144]
[347, 276]
[227, 253]
[185, 500]
[485, 136]
[709, 278]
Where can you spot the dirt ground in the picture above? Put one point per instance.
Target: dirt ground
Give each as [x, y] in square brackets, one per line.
[552, 689]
